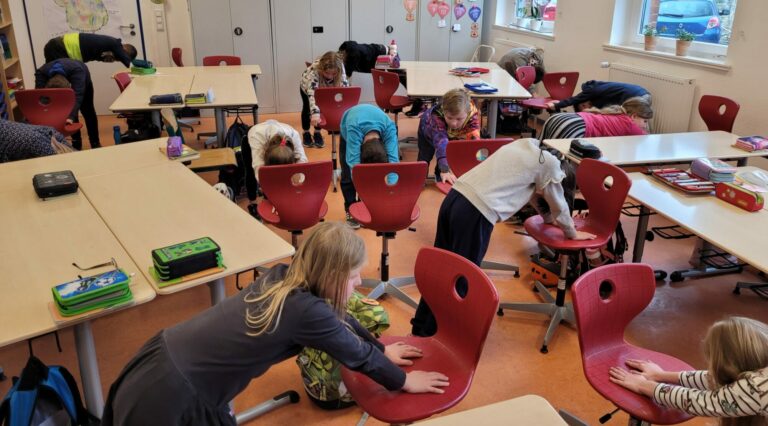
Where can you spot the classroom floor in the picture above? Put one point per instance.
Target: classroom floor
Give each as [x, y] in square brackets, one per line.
[511, 364]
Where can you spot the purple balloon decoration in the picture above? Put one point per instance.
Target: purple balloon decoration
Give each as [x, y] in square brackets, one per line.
[474, 13]
[459, 10]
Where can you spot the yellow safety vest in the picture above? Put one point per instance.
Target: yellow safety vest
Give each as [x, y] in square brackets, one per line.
[72, 44]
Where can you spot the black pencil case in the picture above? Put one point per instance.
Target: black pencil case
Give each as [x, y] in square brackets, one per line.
[53, 184]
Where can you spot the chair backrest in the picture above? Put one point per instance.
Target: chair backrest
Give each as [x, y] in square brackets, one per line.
[390, 205]
[463, 323]
[604, 202]
[483, 53]
[123, 79]
[525, 75]
[297, 201]
[560, 85]
[462, 156]
[606, 299]
[176, 56]
[333, 102]
[385, 85]
[709, 110]
[214, 61]
[46, 107]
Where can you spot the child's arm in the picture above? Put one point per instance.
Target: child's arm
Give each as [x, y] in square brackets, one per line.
[258, 141]
[40, 79]
[309, 82]
[344, 77]
[391, 144]
[298, 148]
[78, 79]
[353, 139]
[558, 209]
[745, 397]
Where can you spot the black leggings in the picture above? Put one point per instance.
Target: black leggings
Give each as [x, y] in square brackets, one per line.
[91, 120]
[305, 119]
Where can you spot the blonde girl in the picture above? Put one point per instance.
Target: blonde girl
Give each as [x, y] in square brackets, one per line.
[325, 71]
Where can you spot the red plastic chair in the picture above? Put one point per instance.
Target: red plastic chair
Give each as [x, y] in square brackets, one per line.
[525, 75]
[386, 209]
[463, 155]
[454, 350]
[709, 110]
[49, 107]
[333, 102]
[559, 85]
[605, 301]
[225, 60]
[385, 85]
[123, 79]
[294, 205]
[604, 211]
[176, 56]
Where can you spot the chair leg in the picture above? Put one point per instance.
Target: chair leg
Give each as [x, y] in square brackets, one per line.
[289, 397]
[363, 419]
[570, 419]
[385, 285]
[336, 176]
[496, 266]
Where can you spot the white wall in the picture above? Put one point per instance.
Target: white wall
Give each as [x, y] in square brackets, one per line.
[583, 26]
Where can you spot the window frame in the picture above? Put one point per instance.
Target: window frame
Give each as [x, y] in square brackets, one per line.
[504, 14]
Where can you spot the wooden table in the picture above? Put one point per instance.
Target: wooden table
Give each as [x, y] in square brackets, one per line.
[721, 224]
[136, 96]
[525, 410]
[668, 148]
[432, 80]
[230, 90]
[40, 242]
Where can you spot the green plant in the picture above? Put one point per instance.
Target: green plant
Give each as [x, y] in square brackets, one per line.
[650, 31]
[535, 12]
[684, 35]
[522, 12]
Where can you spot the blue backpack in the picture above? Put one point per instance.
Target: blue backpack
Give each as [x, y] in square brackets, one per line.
[43, 393]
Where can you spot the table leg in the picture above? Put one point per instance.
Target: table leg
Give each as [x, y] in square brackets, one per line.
[157, 120]
[741, 162]
[221, 127]
[642, 229]
[218, 291]
[493, 112]
[255, 78]
[89, 368]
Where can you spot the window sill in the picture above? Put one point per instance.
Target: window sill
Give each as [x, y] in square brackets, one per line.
[520, 30]
[670, 56]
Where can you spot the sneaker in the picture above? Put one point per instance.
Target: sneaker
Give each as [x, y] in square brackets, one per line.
[352, 222]
[254, 212]
[308, 140]
[319, 142]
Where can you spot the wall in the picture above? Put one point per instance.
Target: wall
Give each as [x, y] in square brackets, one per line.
[583, 26]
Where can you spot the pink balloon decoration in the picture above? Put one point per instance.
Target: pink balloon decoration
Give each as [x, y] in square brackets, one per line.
[443, 9]
[459, 10]
[432, 8]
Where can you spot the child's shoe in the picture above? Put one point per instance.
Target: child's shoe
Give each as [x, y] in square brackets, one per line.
[308, 140]
[319, 142]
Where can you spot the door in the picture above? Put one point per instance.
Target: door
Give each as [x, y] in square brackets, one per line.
[463, 45]
[434, 40]
[293, 45]
[252, 34]
[118, 18]
[329, 25]
[210, 39]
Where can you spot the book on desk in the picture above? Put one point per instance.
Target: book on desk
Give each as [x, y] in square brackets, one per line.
[751, 143]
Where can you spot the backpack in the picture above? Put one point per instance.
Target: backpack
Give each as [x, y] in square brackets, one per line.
[321, 374]
[43, 394]
[235, 178]
[140, 128]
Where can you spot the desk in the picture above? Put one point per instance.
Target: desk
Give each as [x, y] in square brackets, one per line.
[726, 226]
[668, 148]
[524, 410]
[136, 95]
[41, 239]
[432, 80]
[230, 90]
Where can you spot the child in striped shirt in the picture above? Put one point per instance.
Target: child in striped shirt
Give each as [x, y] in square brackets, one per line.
[325, 71]
[734, 388]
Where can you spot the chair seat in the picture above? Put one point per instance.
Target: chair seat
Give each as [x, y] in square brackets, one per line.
[268, 212]
[363, 216]
[72, 128]
[398, 102]
[400, 408]
[597, 365]
[323, 122]
[445, 188]
[537, 103]
[552, 236]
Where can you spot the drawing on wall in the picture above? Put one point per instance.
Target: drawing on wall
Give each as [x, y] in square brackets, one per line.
[85, 16]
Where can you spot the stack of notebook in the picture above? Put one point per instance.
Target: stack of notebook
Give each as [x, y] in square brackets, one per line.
[186, 258]
[713, 170]
[481, 87]
[751, 143]
[195, 98]
[94, 292]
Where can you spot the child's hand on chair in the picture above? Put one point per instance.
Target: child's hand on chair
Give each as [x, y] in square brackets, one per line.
[581, 235]
[401, 353]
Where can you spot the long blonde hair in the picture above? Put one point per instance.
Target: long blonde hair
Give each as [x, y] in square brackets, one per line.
[736, 347]
[321, 265]
[330, 61]
[638, 105]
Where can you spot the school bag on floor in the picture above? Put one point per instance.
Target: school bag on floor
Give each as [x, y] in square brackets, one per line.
[321, 374]
[44, 395]
[235, 178]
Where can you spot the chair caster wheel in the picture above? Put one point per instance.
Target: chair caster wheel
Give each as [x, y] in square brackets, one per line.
[517, 274]
[649, 236]
[736, 290]
[534, 288]
[544, 349]
[500, 312]
[660, 275]
[335, 190]
[676, 277]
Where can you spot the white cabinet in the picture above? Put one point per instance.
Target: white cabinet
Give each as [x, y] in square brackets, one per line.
[448, 43]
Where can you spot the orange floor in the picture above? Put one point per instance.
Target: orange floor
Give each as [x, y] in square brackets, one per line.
[511, 364]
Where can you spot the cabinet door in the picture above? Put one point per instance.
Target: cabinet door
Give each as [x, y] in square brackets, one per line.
[329, 25]
[463, 45]
[292, 31]
[366, 21]
[434, 41]
[403, 31]
[251, 19]
[211, 39]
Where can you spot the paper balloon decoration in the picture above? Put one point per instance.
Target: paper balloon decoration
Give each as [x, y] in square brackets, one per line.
[410, 6]
[443, 9]
[459, 10]
[474, 13]
[432, 7]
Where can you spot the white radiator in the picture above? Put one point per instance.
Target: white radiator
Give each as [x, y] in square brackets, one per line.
[672, 96]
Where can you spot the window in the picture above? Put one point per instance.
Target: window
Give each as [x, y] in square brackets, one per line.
[531, 15]
[709, 20]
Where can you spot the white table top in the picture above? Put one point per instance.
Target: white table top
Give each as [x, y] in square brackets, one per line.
[136, 95]
[508, 87]
[41, 239]
[525, 410]
[726, 226]
[662, 148]
[432, 79]
[443, 65]
[196, 70]
[92, 162]
[167, 204]
[228, 89]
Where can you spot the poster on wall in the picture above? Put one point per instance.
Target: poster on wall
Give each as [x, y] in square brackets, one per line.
[83, 16]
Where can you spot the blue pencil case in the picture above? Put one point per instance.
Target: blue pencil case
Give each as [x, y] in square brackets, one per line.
[481, 87]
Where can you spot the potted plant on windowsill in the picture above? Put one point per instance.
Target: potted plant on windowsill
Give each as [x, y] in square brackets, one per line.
[525, 18]
[650, 34]
[517, 20]
[684, 39]
[535, 19]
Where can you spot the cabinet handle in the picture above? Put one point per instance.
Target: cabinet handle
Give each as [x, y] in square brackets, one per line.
[238, 31]
[132, 26]
[389, 29]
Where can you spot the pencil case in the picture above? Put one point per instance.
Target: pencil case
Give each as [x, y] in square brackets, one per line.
[170, 98]
[186, 258]
[93, 292]
[53, 184]
[584, 149]
[713, 169]
[684, 181]
[739, 196]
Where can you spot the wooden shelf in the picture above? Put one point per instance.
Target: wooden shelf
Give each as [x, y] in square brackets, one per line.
[7, 63]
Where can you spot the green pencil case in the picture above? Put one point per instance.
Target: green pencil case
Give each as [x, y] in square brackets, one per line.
[186, 258]
[93, 292]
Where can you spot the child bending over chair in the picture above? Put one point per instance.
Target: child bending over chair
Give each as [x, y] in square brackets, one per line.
[326, 71]
[631, 118]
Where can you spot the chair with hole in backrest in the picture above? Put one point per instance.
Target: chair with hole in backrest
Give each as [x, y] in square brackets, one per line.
[333, 102]
[388, 194]
[385, 84]
[49, 107]
[605, 301]
[455, 349]
[709, 110]
[605, 208]
[483, 53]
[295, 195]
[525, 75]
[176, 57]
[123, 79]
[559, 85]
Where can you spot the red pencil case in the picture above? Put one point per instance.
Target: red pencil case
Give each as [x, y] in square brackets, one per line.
[684, 181]
[739, 196]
